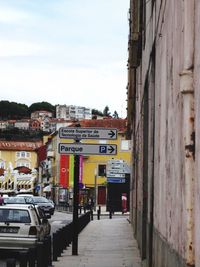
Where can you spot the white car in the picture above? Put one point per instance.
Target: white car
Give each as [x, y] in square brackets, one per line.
[20, 227]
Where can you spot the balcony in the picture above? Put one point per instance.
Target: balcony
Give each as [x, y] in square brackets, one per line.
[50, 154]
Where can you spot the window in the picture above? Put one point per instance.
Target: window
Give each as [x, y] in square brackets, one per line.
[2, 164]
[125, 145]
[13, 215]
[102, 170]
[21, 164]
[23, 154]
[102, 141]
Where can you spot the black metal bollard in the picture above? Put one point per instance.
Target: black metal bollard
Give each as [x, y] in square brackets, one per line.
[23, 258]
[99, 213]
[60, 241]
[32, 257]
[56, 246]
[10, 263]
[68, 241]
[40, 255]
[49, 251]
[110, 214]
[91, 214]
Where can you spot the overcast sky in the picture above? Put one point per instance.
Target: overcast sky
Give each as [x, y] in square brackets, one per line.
[70, 52]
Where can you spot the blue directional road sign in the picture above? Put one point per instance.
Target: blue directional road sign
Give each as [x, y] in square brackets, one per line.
[116, 180]
[86, 149]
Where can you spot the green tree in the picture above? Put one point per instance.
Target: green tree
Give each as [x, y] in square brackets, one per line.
[97, 112]
[41, 106]
[106, 112]
[12, 110]
[115, 115]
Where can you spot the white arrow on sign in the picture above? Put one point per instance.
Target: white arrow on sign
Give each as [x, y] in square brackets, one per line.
[85, 149]
[87, 133]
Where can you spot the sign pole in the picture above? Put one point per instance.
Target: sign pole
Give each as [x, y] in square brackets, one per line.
[75, 206]
[77, 149]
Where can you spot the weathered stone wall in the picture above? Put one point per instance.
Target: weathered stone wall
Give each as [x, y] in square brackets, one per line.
[197, 132]
[165, 186]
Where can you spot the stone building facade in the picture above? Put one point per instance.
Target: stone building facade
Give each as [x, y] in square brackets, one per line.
[163, 123]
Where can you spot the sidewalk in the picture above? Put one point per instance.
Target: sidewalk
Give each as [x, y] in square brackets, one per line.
[103, 243]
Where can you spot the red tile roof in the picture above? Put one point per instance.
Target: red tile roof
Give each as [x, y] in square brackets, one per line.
[19, 146]
[119, 124]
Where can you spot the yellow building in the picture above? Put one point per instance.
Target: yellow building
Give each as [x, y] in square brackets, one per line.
[93, 178]
[18, 163]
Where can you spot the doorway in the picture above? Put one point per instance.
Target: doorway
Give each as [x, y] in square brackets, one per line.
[101, 200]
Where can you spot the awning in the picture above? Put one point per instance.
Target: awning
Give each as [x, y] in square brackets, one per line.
[47, 188]
[24, 182]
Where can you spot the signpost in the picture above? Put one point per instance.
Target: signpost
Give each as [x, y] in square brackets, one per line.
[77, 149]
[88, 133]
[75, 206]
[85, 149]
[121, 175]
[116, 180]
[116, 171]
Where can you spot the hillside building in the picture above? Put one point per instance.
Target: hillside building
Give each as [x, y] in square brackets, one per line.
[70, 112]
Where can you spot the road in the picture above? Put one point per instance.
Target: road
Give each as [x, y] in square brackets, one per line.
[59, 219]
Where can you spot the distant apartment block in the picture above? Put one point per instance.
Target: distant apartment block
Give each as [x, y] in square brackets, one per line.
[73, 112]
[22, 124]
[3, 124]
[41, 114]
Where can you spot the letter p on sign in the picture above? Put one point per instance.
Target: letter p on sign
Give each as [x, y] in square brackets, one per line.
[103, 149]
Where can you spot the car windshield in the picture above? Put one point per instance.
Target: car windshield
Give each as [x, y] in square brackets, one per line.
[40, 200]
[14, 215]
[16, 200]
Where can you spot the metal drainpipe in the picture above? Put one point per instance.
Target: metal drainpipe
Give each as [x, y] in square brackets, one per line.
[187, 90]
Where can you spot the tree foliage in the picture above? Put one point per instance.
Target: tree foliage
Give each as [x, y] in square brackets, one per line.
[97, 112]
[41, 106]
[13, 110]
[17, 111]
[115, 115]
[106, 112]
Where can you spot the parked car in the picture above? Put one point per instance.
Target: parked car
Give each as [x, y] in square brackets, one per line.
[47, 206]
[17, 200]
[42, 216]
[20, 227]
[5, 197]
